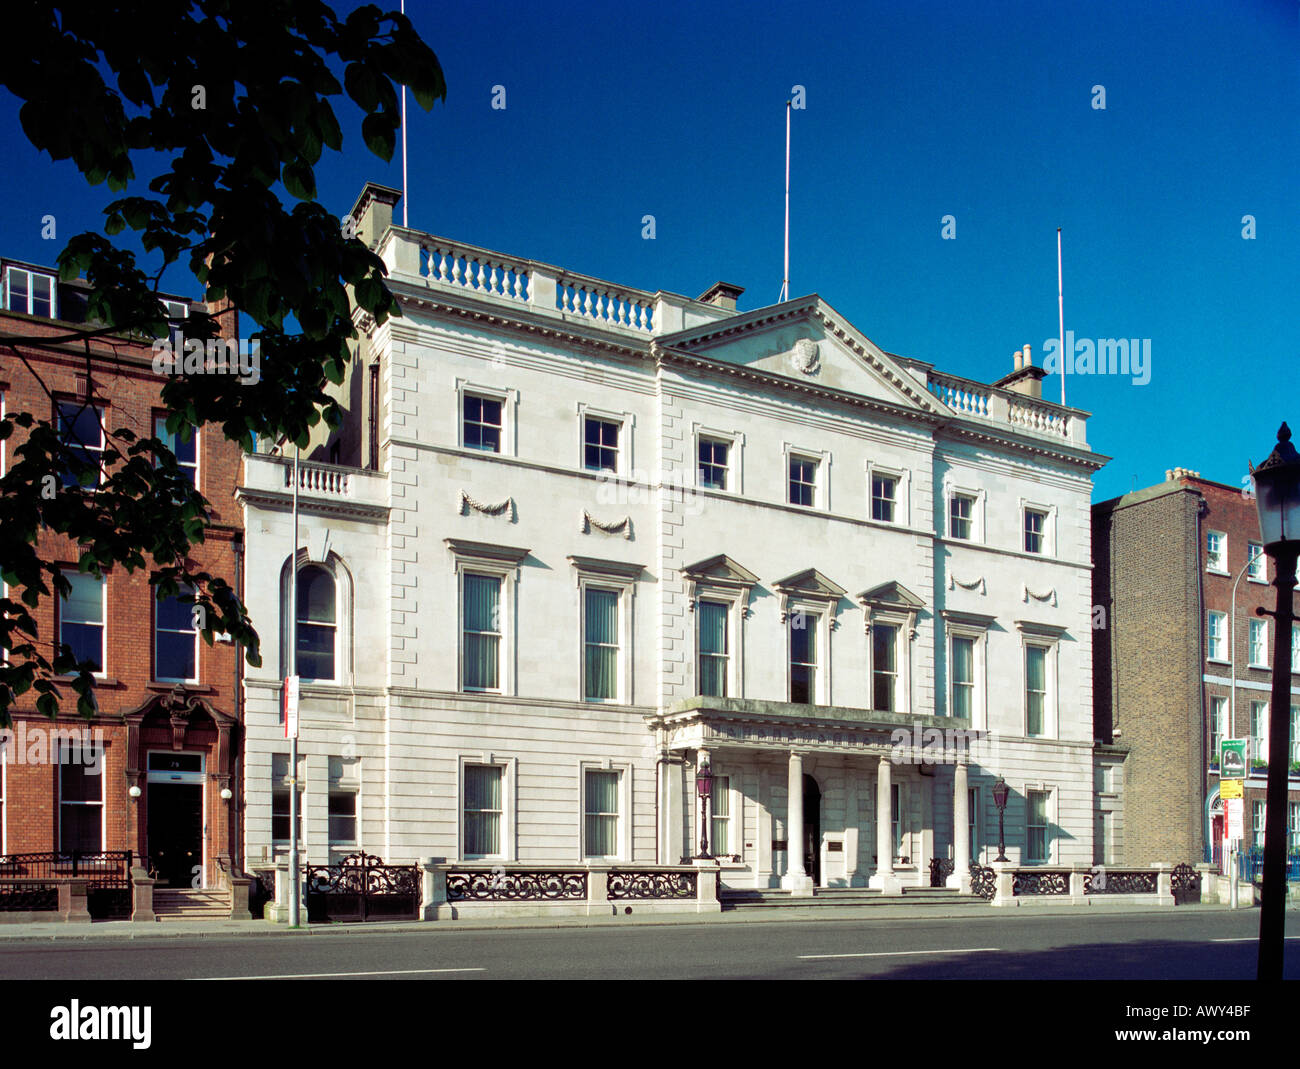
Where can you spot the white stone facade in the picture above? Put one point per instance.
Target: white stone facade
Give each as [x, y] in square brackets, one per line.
[399, 733]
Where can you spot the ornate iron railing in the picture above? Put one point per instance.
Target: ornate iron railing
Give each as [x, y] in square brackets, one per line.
[1120, 882]
[362, 887]
[109, 869]
[652, 884]
[1040, 883]
[940, 869]
[1186, 885]
[983, 882]
[34, 897]
[499, 885]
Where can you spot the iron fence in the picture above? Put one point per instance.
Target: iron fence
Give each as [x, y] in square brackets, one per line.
[1250, 865]
[31, 881]
[362, 888]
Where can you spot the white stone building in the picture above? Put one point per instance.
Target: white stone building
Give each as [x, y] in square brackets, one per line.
[578, 539]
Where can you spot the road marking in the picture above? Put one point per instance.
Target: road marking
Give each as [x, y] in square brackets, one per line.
[903, 953]
[318, 975]
[1248, 939]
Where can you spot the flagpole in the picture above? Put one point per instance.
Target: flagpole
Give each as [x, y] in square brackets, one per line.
[1060, 311]
[295, 908]
[405, 202]
[785, 277]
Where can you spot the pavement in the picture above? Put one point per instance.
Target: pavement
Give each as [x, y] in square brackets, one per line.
[102, 931]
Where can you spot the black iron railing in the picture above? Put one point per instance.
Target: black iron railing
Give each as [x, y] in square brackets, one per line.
[362, 887]
[30, 882]
[108, 869]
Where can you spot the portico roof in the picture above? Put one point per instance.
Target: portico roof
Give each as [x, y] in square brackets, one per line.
[767, 725]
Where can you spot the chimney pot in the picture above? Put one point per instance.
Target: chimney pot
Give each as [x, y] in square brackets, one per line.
[1029, 359]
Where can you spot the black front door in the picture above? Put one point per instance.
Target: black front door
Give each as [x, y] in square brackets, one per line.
[176, 832]
[812, 829]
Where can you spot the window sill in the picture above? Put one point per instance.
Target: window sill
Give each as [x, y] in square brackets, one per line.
[1216, 571]
[100, 681]
[1218, 660]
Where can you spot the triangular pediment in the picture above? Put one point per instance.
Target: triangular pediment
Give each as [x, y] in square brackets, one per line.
[720, 569]
[809, 343]
[891, 595]
[809, 583]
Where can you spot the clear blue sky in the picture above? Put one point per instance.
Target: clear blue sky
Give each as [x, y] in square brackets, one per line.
[914, 112]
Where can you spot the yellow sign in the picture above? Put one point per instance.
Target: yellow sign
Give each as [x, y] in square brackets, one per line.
[1231, 788]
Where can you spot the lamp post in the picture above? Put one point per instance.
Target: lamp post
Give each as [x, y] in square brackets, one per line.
[1230, 862]
[1277, 498]
[704, 784]
[1000, 793]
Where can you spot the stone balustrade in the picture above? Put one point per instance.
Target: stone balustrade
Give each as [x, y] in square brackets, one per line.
[487, 889]
[1014, 411]
[270, 477]
[544, 289]
[1085, 885]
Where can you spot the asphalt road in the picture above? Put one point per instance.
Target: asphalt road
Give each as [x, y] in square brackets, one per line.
[1169, 945]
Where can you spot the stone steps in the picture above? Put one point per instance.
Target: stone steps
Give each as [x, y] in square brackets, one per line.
[184, 904]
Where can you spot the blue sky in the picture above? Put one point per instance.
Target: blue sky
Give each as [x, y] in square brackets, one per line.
[914, 112]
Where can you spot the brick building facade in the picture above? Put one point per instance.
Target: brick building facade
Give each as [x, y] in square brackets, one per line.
[1169, 562]
[168, 721]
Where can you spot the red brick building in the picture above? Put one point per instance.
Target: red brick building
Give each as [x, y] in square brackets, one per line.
[148, 773]
[1178, 668]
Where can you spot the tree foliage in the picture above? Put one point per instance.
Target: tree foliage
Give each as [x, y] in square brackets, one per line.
[221, 101]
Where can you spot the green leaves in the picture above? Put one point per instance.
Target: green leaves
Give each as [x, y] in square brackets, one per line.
[231, 100]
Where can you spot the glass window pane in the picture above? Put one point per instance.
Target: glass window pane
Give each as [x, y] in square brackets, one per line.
[713, 627]
[315, 596]
[175, 657]
[85, 603]
[81, 775]
[17, 284]
[602, 616]
[1036, 668]
[482, 598]
[81, 828]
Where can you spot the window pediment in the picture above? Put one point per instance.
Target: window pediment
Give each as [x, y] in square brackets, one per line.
[1041, 630]
[615, 569]
[810, 584]
[970, 619]
[486, 551]
[891, 596]
[891, 599]
[720, 571]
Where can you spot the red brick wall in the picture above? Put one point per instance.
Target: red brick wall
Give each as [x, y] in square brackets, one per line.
[125, 382]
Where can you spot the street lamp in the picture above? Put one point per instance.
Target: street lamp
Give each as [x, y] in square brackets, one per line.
[704, 784]
[1277, 498]
[1000, 793]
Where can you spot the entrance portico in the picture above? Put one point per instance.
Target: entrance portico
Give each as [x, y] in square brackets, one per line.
[882, 806]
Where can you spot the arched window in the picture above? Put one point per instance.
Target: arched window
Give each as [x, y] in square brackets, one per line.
[317, 623]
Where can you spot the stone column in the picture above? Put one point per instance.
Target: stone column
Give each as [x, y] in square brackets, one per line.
[796, 877]
[926, 853]
[673, 849]
[884, 876]
[960, 877]
[852, 855]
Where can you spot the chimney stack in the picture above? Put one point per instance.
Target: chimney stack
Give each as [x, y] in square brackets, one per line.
[373, 212]
[1025, 379]
[721, 295]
